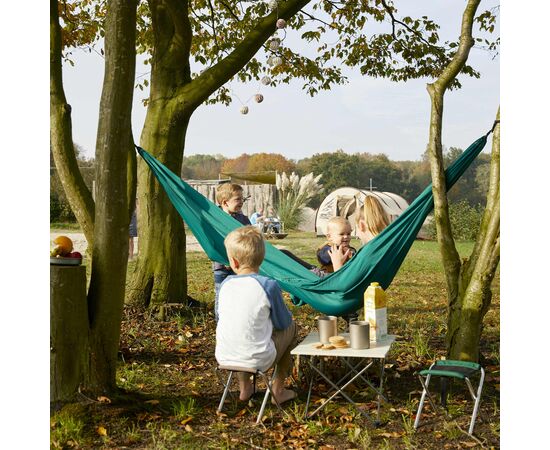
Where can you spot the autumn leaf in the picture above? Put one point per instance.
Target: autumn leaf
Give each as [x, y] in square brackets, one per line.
[101, 431]
[188, 428]
[392, 435]
[186, 421]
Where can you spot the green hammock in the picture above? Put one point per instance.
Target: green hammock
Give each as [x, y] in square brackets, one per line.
[338, 293]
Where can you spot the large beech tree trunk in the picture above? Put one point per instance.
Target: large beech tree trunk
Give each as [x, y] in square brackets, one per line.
[469, 283]
[105, 223]
[160, 274]
[114, 142]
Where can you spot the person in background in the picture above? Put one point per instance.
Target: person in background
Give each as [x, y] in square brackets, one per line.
[257, 219]
[133, 234]
[230, 198]
[272, 222]
[255, 328]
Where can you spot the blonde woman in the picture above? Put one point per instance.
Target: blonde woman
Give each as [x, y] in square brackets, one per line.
[371, 220]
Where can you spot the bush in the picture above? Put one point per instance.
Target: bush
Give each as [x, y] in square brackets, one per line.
[465, 221]
[293, 194]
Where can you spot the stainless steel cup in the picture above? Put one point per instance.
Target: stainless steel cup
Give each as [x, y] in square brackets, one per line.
[328, 326]
[359, 332]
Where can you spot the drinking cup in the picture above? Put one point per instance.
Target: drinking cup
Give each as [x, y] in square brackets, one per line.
[359, 332]
[328, 326]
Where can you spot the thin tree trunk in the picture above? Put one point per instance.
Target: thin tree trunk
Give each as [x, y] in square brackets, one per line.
[114, 142]
[469, 285]
[465, 324]
[77, 193]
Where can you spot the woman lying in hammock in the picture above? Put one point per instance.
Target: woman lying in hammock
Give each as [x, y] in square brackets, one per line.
[371, 220]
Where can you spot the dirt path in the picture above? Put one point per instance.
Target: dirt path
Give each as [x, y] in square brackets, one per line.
[80, 244]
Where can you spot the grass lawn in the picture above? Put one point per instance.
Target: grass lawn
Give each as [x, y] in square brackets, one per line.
[169, 390]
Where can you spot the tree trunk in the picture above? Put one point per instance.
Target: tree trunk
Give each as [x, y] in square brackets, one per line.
[77, 193]
[114, 142]
[465, 318]
[68, 331]
[469, 284]
[160, 274]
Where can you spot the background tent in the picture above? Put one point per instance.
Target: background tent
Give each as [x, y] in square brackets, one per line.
[347, 200]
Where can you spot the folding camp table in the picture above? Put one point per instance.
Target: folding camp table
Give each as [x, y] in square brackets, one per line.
[357, 362]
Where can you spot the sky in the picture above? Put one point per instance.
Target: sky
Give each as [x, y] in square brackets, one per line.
[364, 115]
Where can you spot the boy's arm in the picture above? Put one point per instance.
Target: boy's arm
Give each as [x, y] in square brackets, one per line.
[280, 315]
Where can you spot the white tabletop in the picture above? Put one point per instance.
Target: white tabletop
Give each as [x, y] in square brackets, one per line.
[376, 350]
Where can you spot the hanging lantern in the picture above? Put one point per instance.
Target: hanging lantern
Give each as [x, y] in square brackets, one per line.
[273, 5]
[266, 80]
[277, 61]
[274, 44]
[259, 98]
[281, 23]
[244, 110]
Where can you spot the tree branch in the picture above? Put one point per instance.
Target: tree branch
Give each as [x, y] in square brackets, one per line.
[216, 76]
[394, 21]
[230, 10]
[451, 258]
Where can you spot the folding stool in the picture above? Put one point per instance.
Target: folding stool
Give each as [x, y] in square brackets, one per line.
[255, 372]
[462, 370]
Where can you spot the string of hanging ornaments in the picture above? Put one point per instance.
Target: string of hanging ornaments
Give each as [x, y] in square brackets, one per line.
[273, 60]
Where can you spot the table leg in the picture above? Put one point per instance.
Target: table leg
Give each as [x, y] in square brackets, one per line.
[340, 390]
[354, 368]
[382, 364]
[310, 387]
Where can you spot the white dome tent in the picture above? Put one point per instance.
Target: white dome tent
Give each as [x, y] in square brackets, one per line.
[346, 202]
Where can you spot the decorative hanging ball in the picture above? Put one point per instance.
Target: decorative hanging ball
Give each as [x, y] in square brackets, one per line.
[273, 5]
[274, 44]
[271, 61]
[266, 80]
[277, 61]
[281, 23]
[259, 98]
[244, 110]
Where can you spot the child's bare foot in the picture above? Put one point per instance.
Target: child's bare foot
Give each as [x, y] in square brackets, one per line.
[284, 396]
[247, 389]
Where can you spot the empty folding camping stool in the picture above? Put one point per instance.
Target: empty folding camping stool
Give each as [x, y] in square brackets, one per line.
[462, 370]
[255, 372]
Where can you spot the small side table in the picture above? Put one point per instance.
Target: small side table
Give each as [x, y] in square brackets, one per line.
[362, 360]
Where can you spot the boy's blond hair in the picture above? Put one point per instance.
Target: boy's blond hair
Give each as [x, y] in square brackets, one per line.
[224, 192]
[246, 245]
[337, 221]
[374, 215]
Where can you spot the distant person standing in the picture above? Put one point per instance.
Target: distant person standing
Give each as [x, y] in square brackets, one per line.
[133, 234]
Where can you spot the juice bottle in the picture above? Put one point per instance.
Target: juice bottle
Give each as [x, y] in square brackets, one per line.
[375, 312]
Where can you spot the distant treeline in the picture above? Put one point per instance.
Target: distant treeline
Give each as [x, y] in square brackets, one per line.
[405, 178]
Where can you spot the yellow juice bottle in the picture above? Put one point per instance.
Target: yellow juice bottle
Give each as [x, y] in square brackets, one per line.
[375, 312]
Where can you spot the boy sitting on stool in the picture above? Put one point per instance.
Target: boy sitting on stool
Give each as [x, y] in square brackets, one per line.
[255, 328]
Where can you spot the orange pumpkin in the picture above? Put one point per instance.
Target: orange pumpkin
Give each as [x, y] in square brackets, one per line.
[65, 245]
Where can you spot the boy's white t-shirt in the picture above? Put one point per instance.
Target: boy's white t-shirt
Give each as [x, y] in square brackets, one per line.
[243, 333]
